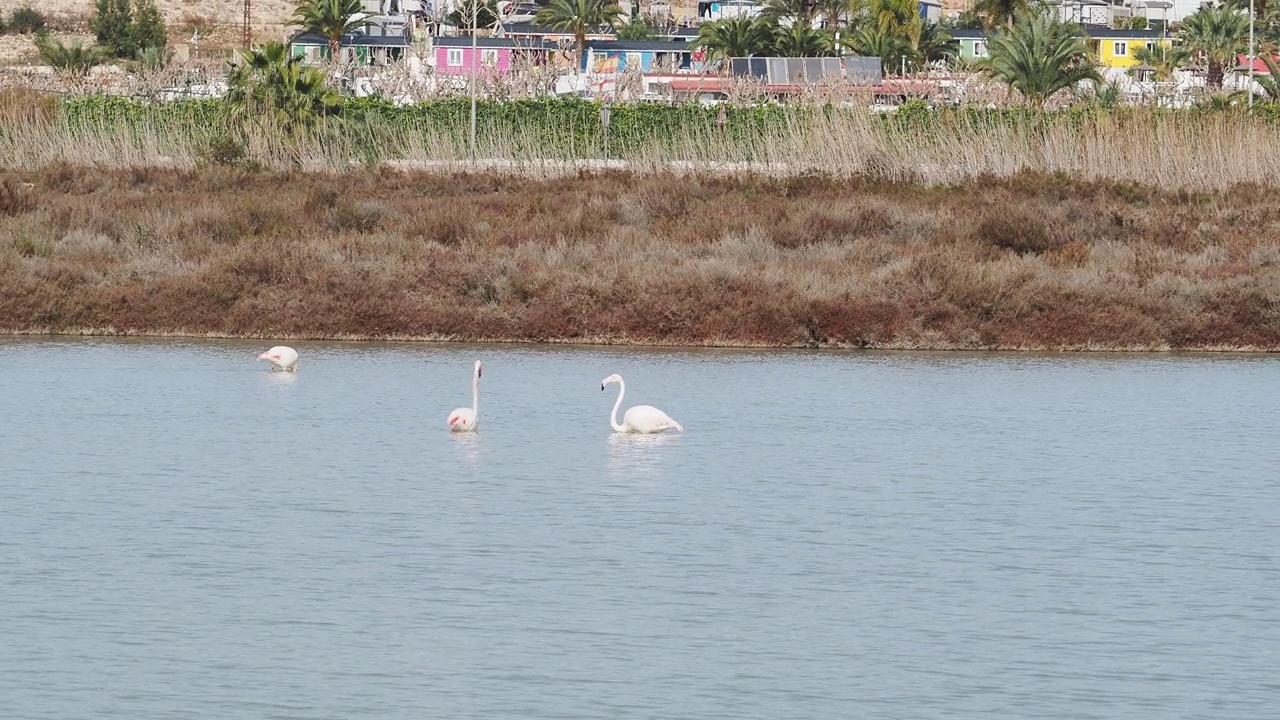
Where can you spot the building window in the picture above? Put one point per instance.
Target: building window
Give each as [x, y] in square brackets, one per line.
[455, 57]
[489, 57]
[979, 49]
[1120, 49]
[1151, 47]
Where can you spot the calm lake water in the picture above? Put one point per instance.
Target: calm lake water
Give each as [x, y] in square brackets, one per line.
[186, 535]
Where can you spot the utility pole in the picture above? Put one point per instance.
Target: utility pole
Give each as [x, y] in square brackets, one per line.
[1250, 54]
[475, 58]
[248, 35]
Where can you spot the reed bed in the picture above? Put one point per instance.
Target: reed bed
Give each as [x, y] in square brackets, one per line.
[1193, 150]
[1028, 262]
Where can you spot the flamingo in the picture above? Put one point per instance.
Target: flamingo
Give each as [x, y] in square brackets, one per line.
[638, 419]
[283, 357]
[466, 419]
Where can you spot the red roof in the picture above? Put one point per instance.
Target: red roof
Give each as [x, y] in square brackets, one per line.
[1259, 67]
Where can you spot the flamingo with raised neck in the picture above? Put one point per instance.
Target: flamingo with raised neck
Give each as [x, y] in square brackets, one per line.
[466, 419]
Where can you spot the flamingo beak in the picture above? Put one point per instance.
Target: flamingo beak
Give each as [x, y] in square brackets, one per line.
[601, 387]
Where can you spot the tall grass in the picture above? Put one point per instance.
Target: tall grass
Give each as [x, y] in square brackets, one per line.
[1174, 149]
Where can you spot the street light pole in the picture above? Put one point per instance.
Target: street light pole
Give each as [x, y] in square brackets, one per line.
[475, 27]
[1250, 54]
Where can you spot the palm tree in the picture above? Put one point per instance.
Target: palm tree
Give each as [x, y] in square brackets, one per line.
[579, 17]
[1217, 34]
[1270, 83]
[1001, 12]
[1262, 9]
[801, 41]
[893, 50]
[332, 19]
[73, 59]
[268, 83]
[1164, 59]
[837, 14]
[1039, 56]
[789, 12]
[936, 45]
[735, 37]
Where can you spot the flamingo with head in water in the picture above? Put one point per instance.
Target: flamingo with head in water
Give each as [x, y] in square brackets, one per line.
[638, 419]
[466, 419]
[283, 357]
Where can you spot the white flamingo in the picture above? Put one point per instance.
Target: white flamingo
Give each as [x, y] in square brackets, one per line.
[466, 419]
[638, 419]
[283, 357]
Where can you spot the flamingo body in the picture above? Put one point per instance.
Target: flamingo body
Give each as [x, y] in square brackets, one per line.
[647, 419]
[282, 357]
[640, 418]
[462, 420]
[467, 419]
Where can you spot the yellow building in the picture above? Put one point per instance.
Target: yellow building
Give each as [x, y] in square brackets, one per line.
[1117, 48]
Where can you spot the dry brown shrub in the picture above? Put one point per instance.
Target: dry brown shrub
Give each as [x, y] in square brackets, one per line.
[16, 198]
[814, 262]
[1019, 231]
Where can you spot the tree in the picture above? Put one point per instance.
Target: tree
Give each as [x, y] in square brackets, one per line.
[837, 14]
[269, 84]
[936, 45]
[1039, 56]
[1217, 35]
[1263, 10]
[801, 41]
[637, 29]
[125, 27]
[113, 26]
[579, 17]
[332, 19]
[1164, 59]
[148, 26]
[74, 59]
[1270, 83]
[789, 12]
[893, 50]
[735, 37]
[1001, 12]
[484, 13]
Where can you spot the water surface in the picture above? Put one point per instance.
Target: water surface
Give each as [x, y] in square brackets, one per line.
[186, 535]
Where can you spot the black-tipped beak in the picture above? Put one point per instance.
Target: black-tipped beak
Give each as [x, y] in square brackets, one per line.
[602, 386]
[480, 372]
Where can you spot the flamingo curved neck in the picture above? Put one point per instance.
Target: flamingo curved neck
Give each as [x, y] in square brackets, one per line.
[613, 416]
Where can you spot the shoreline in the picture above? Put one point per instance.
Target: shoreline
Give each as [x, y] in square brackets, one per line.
[640, 344]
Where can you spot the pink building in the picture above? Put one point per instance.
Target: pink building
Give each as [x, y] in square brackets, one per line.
[492, 56]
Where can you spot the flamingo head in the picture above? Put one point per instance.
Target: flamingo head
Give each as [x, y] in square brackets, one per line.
[614, 378]
[479, 369]
[269, 356]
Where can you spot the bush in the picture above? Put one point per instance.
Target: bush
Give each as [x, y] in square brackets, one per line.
[74, 59]
[25, 21]
[1018, 231]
